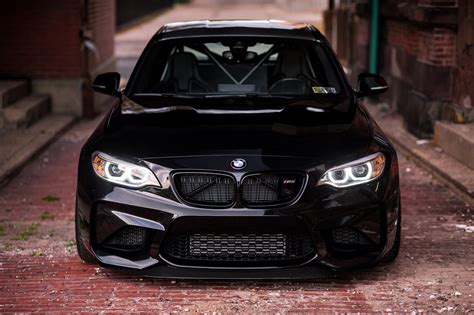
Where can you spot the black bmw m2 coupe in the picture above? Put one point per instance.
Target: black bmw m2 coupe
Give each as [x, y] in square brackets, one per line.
[238, 149]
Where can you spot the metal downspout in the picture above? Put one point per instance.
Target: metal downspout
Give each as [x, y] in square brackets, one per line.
[374, 37]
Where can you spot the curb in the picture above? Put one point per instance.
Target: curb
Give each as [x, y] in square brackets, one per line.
[20, 158]
[457, 187]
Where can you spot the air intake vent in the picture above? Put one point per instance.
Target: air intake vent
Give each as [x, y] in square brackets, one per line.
[206, 189]
[345, 236]
[128, 237]
[270, 189]
[250, 249]
[348, 241]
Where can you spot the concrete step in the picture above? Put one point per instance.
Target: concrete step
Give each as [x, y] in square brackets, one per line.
[13, 90]
[26, 111]
[19, 146]
[457, 140]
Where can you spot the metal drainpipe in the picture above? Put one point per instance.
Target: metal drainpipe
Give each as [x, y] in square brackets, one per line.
[374, 37]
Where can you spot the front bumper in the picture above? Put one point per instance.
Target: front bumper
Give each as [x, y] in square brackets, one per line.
[370, 210]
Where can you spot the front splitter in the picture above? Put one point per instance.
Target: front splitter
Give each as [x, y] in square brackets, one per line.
[165, 272]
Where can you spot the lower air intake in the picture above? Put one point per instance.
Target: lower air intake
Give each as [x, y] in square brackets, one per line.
[247, 249]
[128, 237]
[345, 236]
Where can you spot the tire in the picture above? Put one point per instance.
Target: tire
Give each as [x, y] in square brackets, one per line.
[83, 253]
[392, 254]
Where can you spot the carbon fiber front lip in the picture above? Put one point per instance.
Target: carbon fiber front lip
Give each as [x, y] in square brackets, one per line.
[294, 273]
[236, 268]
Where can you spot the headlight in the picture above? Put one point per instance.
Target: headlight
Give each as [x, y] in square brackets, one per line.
[357, 172]
[124, 173]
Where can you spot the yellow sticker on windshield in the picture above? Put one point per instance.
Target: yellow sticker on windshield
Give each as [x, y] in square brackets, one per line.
[324, 90]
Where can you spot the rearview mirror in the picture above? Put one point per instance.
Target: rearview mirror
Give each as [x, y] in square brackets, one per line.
[371, 84]
[107, 83]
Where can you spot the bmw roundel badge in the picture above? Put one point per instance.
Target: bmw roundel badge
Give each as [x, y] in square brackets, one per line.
[238, 164]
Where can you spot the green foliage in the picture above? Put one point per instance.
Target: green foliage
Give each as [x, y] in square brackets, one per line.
[31, 230]
[36, 253]
[45, 216]
[50, 198]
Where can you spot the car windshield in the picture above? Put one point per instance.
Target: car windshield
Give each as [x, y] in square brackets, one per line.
[214, 67]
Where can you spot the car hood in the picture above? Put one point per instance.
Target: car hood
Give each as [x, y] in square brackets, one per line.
[281, 139]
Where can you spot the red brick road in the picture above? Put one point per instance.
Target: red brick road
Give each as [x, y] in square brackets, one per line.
[41, 272]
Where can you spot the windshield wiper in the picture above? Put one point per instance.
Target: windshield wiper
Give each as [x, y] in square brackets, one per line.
[169, 95]
[247, 95]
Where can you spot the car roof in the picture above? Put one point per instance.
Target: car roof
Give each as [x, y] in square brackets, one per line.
[267, 28]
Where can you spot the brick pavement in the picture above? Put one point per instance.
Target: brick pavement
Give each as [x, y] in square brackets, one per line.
[41, 272]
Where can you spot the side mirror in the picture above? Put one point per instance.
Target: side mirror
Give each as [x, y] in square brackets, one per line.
[371, 84]
[107, 83]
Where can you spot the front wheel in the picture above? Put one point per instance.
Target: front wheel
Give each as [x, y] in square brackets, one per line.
[81, 249]
[392, 254]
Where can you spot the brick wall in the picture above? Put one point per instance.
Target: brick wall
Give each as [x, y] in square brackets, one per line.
[40, 38]
[101, 21]
[401, 36]
[463, 72]
[43, 40]
[437, 46]
[419, 53]
[426, 53]
[429, 52]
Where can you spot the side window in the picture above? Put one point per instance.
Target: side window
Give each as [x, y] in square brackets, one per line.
[216, 48]
[166, 70]
[273, 57]
[260, 48]
[199, 56]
